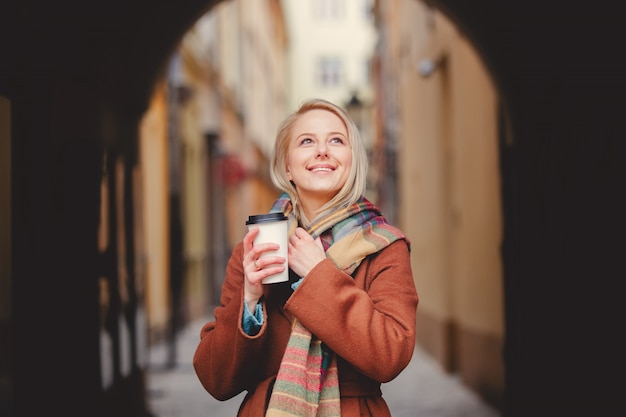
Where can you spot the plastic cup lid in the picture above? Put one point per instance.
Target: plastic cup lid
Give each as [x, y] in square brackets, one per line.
[267, 217]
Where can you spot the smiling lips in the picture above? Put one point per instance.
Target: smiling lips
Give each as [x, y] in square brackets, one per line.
[322, 168]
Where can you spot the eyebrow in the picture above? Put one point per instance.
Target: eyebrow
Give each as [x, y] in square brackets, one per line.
[329, 134]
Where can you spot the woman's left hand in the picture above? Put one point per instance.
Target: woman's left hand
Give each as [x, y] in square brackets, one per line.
[304, 252]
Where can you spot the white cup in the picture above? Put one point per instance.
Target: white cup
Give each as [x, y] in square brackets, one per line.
[272, 228]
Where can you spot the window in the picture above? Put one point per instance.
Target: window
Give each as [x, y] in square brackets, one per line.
[328, 9]
[367, 10]
[330, 72]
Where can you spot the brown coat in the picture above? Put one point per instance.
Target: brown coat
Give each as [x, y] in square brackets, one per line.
[367, 319]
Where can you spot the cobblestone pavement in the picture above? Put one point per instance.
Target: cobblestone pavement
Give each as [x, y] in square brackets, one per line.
[421, 390]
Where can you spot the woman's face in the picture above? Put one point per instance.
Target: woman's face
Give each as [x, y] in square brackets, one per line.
[320, 156]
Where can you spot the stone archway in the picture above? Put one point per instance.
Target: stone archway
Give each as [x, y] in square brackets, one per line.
[77, 77]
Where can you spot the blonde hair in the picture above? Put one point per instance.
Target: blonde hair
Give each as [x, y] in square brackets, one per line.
[354, 187]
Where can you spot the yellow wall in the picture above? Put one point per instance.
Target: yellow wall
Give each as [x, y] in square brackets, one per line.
[450, 194]
[477, 218]
[154, 171]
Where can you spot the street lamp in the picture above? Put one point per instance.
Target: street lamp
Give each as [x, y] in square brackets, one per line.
[354, 107]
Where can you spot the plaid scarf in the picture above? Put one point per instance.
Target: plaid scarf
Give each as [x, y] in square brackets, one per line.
[307, 384]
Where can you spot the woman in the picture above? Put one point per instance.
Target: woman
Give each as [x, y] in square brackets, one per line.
[322, 343]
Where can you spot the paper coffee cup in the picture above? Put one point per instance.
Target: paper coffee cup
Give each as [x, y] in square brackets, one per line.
[272, 228]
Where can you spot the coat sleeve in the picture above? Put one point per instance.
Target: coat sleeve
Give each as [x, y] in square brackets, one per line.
[226, 358]
[368, 320]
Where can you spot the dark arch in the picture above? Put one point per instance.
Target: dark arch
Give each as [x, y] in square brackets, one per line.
[562, 83]
[74, 71]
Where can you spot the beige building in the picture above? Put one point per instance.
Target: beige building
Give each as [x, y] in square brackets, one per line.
[205, 142]
[330, 50]
[438, 113]
[331, 43]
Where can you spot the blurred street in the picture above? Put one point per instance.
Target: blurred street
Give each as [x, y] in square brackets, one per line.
[422, 390]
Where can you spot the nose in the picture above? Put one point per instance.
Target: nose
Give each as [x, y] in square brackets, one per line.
[322, 150]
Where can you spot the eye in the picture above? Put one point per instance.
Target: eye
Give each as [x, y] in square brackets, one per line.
[305, 141]
[338, 139]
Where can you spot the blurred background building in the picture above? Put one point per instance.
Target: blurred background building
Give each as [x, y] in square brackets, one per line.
[212, 120]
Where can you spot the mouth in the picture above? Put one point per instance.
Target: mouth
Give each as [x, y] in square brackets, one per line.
[321, 168]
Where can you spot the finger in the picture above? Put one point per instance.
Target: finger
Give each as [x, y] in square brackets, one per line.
[268, 271]
[262, 249]
[298, 236]
[301, 233]
[248, 239]
[269, 261]
[257, 264]
[256, 277]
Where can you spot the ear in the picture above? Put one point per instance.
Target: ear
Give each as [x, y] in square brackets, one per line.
[288, 172]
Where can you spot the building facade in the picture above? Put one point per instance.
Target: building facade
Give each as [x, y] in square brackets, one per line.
[212, 121]
[440, 124]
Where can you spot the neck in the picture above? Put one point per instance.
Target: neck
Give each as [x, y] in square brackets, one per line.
[310, 205]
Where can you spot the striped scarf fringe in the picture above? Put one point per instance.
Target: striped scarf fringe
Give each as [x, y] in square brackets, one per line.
[303, 387]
